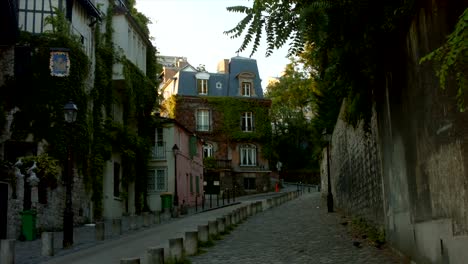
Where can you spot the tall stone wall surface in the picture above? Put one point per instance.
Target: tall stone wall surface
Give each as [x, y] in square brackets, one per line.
[355, 170]
[418, 147]
[424, 144]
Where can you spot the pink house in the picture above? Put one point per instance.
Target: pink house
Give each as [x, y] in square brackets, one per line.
[175, 151]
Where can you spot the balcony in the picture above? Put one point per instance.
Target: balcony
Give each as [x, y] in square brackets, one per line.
[158, 152]
[211, 163]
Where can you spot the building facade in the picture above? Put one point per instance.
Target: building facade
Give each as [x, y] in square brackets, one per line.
[176, 160]
[34, 90]
[227, 110]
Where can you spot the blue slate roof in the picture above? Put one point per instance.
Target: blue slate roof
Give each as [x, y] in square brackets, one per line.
[222, 84]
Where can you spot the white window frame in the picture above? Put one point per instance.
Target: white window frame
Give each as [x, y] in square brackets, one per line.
[247, 124]
[207, 150]
[246, 89]
[203, 120]
[248, 155]
[202, 86]
[154, 180]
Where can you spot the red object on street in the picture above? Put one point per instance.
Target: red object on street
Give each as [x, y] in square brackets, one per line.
[277, 187]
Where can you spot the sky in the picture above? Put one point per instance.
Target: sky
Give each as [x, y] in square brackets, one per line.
[194, 29]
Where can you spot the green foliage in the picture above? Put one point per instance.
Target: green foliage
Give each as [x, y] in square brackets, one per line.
[451, 59]
[209, 163]
[41, 97]
[360, 227]
[232, 109]
[94, 136]
[293, 105]
[341, 40]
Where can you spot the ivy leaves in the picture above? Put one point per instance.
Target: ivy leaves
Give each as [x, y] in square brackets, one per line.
[451, 57]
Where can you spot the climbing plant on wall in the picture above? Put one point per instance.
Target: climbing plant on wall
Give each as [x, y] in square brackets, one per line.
[451, 59]
[40, 97]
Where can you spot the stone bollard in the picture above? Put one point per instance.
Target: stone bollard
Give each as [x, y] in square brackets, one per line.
[146, 219]
[155, 255]
[248, 210]
[264, 205]
[259, 206]
[139, 221]
[130, 261]
[244, 212]
[100, 231]
[133, 222]
[7, 252]
[212, 228]
[228, 218]
[157, 217]
[203, 233]
[269, 203]
[221, 224]
[176, 249]
[191, 243]
[234, 218]
[47, 240]
[117, 227]
[253, 208]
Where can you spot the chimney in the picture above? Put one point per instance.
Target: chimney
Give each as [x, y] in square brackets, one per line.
[223, 66]
[181, 63]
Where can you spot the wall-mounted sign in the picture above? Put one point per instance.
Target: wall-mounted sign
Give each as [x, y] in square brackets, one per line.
[59, 63]
[216, 183]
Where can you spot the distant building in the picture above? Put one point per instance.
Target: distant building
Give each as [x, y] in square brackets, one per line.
[227, 110]
[174, 151]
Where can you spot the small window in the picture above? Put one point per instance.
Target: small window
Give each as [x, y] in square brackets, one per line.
[157, 180]
[203, 120]
[249, 183]
[202, 86]
[248, 155]
[246, 89]
[247, 122]
[207, 150]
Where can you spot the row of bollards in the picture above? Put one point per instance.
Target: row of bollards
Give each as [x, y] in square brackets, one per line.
[7, 254]
[178, 247]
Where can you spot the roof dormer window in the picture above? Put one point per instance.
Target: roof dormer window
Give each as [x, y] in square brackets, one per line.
[202, 83]
[202, 86]
[246, 80]
[246, 89]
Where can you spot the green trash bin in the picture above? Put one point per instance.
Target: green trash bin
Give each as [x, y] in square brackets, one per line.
[28, 224]
[166, 201]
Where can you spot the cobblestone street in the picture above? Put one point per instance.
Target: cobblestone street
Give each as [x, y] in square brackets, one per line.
[299, 231]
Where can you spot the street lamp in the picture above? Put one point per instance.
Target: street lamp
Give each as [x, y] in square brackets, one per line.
[327, 138]
[175, 150]
[70, 110]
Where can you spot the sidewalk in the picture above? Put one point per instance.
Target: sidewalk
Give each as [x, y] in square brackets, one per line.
[131, 243]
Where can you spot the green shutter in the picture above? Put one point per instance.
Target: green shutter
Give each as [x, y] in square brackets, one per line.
[191, 183]
[193, 146]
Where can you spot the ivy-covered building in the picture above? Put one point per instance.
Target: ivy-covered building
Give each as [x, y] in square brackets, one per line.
[228, 111]
[96, 53]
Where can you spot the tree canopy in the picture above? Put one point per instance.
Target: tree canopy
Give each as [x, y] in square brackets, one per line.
[342, 40]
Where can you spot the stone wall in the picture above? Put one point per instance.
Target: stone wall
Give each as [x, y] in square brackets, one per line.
[355, 171]
[417, 146]
[50, 215]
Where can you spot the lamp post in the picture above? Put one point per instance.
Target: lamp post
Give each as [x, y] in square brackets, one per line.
[175, 150]
[329, 194]
[70, 111]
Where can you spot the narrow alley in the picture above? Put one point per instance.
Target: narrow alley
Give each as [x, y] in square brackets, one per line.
[299, 231]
